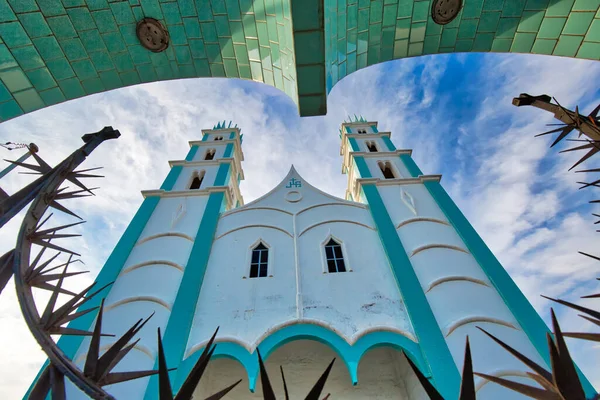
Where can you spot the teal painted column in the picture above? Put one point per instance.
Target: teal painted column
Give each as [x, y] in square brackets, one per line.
[431, 340]
[533, 325]
[374, 129]
[180, 321]
[114, 264]
[388, 143]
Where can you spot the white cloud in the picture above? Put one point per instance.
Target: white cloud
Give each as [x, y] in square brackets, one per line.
[522, 205]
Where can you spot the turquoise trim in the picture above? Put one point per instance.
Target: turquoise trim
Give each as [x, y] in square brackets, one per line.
[112, 267]
[353, 144]
[232, 135]
[180, 321]
[348, 130]
[515, 300]
[228, 150]
[374, 127]
[192, 153]
[388, 143]
[205, 137]
[433, 344]
[410, 164]
[351, 355]
[175, 171]
[363, 169]
[223, 174]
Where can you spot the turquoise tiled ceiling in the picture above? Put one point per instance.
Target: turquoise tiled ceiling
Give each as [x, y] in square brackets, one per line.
[56, 50]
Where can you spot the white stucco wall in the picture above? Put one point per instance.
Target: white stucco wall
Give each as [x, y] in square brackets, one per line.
[457, 289]
[349, 303]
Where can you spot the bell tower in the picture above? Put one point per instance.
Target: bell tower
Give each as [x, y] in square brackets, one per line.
[450, 281]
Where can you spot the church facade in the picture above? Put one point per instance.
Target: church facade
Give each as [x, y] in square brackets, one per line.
[305, 277]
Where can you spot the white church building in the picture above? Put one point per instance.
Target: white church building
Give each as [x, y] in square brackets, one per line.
[306, 277]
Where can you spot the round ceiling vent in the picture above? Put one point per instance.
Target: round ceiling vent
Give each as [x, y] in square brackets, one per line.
[444, 11]
[152, 35]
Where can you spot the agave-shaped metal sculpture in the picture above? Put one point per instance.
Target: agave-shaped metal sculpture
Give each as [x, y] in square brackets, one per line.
[46, 272]
[467, 384]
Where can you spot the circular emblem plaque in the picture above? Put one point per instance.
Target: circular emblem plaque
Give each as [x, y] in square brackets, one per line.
[444, 11]
[152, 35]
[293, 196]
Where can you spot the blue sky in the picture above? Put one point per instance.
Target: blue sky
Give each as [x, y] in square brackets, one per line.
[454, 111]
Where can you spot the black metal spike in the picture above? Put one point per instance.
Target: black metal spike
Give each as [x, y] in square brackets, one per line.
[118, 377]
[57, 206]
[427, 386]
[197, 371]
[315, 392]
[525, 360]
[589, 255]
[467, 385]
[223, 392]
[43, 164]
[91, 359]
[164, 384]
[34, 270]
[285, 389]
[564, 372]
[592, 337]
[267, 389]
[565, 131]
[549, 132]
[57, 383]
[527, 390]
[52, 301]
[102, 368]
[588, 311]
[6, 270]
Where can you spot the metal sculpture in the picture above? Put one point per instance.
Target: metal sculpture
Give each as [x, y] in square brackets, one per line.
[40, 270]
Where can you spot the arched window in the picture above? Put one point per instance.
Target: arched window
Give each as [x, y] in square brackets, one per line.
[334, 256]
[197, 180]
[387, 170]
[259, 262]
[372, 147]
[210, 154]
[362, 131]
[218, 137]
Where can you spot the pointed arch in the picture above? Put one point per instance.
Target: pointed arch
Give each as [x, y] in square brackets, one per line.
[333, 255]
[260, 259]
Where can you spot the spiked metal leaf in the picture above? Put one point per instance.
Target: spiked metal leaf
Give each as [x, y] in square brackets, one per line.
[315, 392]
[285, 390]
[467, 385]
[267, 389]
[429, 388]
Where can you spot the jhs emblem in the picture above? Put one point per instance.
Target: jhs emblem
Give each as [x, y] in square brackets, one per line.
[294, 183]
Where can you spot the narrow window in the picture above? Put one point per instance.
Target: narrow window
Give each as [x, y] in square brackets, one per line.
[335, 259]
[386, 169]
[218, 137]
[210, 154]
[260, 260]
[197, 181]
[372, 147]
[362, 131]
